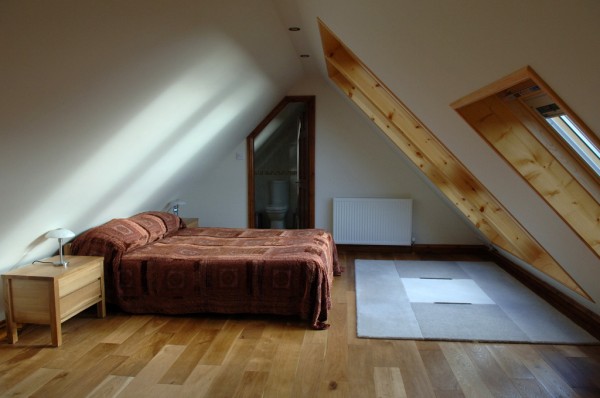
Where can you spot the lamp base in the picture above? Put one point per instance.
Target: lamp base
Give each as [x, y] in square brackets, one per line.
[61, 260]
[62, 263]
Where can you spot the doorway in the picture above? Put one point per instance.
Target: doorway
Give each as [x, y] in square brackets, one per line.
[281, 166]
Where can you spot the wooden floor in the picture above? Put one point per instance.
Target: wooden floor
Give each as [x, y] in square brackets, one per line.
[219, 356]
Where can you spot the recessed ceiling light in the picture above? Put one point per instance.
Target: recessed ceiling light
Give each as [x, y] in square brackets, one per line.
[293, 28]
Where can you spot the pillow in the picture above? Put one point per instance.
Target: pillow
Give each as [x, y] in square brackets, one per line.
[119, 234]
[172, 222]
[154, 225]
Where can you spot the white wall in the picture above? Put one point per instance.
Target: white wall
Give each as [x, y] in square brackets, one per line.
[109, 108]
[352, 160]
[219, 197]
[431, 53]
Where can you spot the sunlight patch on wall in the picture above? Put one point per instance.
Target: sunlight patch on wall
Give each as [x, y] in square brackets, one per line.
[195, 142]
[156, 143]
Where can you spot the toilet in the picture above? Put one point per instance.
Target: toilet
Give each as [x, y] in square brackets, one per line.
[278, 203]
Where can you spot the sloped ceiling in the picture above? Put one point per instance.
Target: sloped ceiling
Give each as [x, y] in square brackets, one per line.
[434, 160]
[431, 53]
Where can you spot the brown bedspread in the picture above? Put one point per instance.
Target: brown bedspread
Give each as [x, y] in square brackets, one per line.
[176, 270]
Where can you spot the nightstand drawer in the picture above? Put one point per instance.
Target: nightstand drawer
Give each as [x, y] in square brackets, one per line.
[80, 299]
[191, 222]
[72, 282]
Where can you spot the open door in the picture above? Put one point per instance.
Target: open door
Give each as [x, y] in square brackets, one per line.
[280, 150]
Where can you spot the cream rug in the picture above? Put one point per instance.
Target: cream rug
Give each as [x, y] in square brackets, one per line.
[462, 301]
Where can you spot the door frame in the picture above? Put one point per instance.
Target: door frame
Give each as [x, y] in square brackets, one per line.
[309, 101]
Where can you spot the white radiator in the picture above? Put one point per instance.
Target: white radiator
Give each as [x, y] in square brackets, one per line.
[372, 221]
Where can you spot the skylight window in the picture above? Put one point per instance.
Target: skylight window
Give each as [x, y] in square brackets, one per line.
[576, 138]
[566, 129]
[545, 142]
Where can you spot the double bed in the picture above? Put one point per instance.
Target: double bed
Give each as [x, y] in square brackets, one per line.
[155, 264]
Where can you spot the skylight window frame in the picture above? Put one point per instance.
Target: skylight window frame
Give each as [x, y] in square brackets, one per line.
[521, 136]
[576, 137]
[584, 149]
[577, 140]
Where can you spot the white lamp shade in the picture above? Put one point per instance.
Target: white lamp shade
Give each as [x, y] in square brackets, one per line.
[60, 233]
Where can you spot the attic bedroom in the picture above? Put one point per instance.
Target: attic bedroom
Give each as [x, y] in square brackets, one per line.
[114, 109]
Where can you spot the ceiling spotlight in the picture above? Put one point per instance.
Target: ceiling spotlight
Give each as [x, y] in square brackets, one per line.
[293, 29]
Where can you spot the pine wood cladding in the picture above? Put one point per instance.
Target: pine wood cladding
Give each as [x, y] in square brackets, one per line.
[436, 161]
[511, 135]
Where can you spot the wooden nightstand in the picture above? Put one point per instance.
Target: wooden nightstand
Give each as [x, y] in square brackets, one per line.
[191, 222]
[49, 295]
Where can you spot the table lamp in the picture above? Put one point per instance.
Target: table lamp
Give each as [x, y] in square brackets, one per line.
[60, 233]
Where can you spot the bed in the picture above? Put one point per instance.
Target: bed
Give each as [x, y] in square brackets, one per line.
[155, 264]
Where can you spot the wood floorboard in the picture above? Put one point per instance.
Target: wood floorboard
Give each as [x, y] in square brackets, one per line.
[360, 383]
[200, 355]
[231, 375]
[568, 371]
[34, 382]
[310, 370]
[414, 372]
[551, 380]
[388, 382]
[189, 358]
[144, 384]
[144, 353]
[281, 362]
[490, 370]
[468, 376]
[439, 374]
[111, 386]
